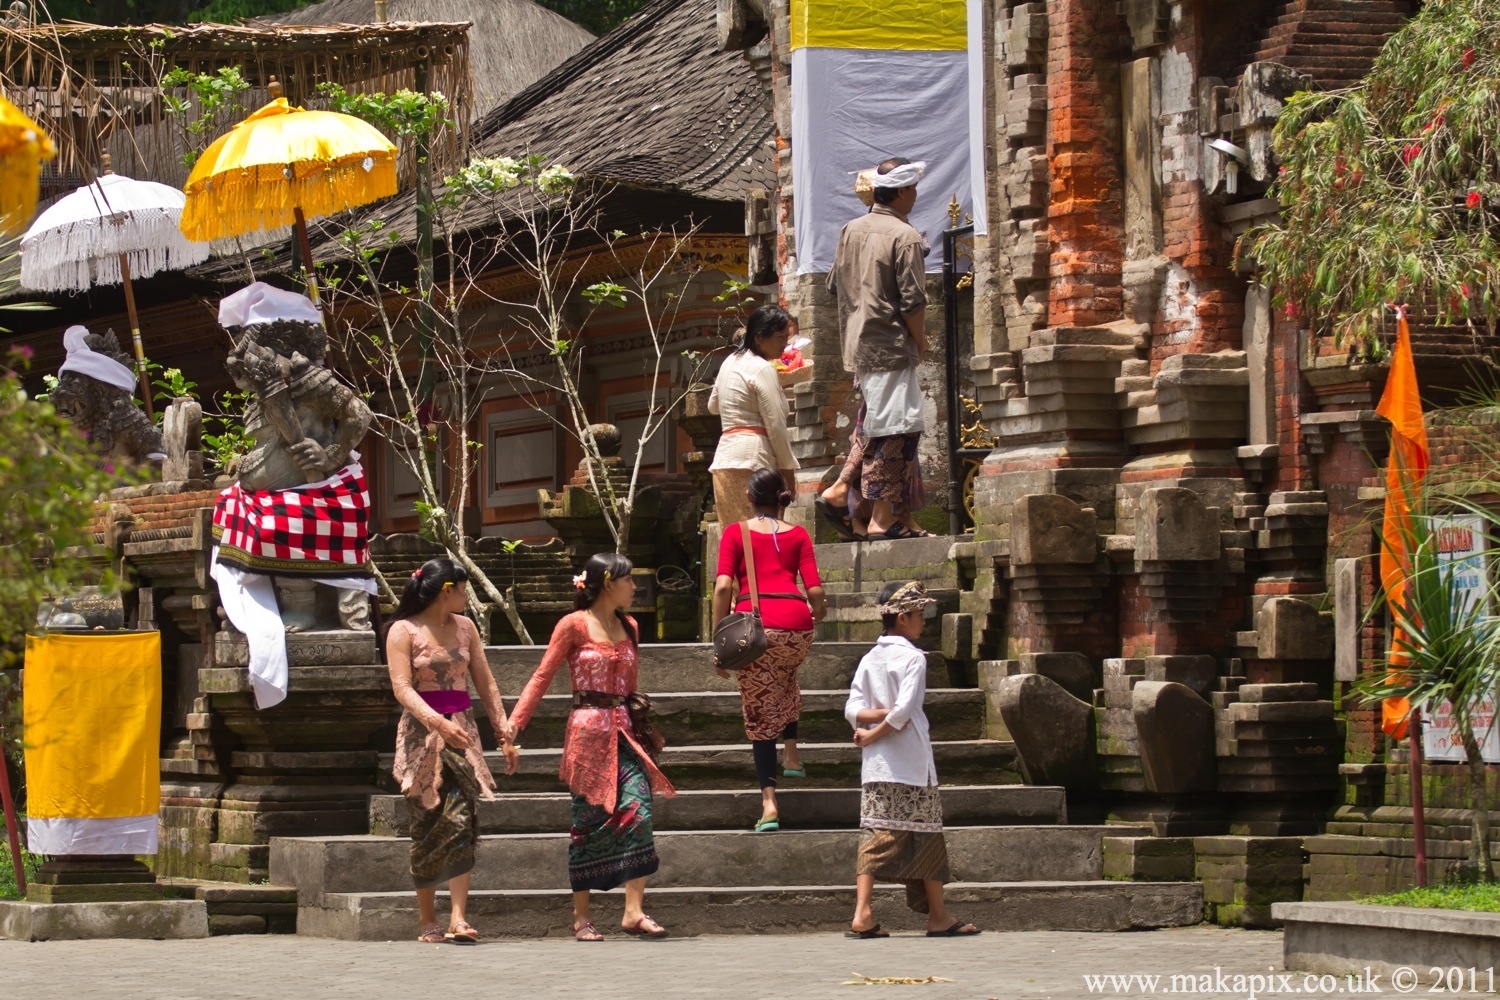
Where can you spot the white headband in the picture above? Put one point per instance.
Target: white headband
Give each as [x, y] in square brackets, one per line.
[259, 302]
[84, 360]
[903, 176]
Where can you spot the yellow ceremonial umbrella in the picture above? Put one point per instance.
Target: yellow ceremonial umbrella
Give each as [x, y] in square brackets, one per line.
[23, 147]
[281, 165]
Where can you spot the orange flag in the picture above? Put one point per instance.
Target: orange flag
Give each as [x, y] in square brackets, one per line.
[1402, 406]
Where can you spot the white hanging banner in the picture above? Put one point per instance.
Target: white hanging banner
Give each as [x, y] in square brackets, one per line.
[871, 83]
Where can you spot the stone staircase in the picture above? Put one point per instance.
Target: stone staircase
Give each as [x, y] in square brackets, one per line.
[1016, 864]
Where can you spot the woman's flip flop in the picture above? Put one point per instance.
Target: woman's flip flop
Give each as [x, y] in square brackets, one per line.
[586, 931]
[957, 930]
[462, 933]
[872, 932]
[640, 931]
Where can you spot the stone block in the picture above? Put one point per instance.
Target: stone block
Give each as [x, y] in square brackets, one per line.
[958, 636]
[1278, 692]
[1291, 629]
[1050, 529]
[1053, 731]
[1347, 619]
[160, 919]
[1175, 727]
[1279, 711]
[1197, 672]
[1174, 524]
[1073, 671]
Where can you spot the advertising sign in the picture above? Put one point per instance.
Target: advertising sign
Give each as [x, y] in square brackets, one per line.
[1461, 546]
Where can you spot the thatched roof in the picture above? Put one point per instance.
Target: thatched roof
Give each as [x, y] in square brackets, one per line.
[653, 106]
[654, 103]
[87, 83]
[512, 43]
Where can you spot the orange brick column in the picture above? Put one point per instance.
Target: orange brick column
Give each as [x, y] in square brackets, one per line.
[1085, 213]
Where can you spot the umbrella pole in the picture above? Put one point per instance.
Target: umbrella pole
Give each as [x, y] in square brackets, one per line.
[135, 335]
[307, 261]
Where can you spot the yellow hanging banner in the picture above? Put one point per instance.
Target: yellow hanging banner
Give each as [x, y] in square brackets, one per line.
[912, 25]
[92, 707]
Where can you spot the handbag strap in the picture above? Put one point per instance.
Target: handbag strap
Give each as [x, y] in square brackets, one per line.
[750, 568]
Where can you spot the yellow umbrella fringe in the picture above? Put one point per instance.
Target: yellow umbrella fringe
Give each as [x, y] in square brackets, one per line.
[23, 147]
[239, 202]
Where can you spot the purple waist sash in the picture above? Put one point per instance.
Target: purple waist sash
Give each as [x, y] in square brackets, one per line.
[446, 702]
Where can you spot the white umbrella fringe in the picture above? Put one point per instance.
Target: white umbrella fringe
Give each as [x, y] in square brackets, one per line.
[77, 242]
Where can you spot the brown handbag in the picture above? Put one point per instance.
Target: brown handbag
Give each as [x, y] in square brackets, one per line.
[740, 637]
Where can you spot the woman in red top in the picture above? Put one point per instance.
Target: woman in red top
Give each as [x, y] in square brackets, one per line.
[768, 687]
[611, 775]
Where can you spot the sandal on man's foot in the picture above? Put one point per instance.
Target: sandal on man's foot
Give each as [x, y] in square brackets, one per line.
[871, 932]
[433, 935]
[462, 933]
[767, 824]
[641, 929]
[794, 772]
[959, 929]
[894, 532]
[586, 931]
[839, 520]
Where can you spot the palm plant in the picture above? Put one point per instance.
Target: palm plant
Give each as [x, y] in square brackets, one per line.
[1446, 648]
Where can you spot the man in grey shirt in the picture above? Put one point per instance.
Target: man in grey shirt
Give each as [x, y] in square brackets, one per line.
[879, 279]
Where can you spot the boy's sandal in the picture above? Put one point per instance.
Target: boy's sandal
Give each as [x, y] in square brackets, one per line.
[838, 520]
[640, 930]
[871, 932]
[959, 929]
[433, 935]
[462, 933]
[586, 931]
[767, 825]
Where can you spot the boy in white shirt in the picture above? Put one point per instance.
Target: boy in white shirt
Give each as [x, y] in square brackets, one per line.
[900, 813]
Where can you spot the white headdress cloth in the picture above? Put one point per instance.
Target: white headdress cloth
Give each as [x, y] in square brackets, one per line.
[84, 360]
[901, 177]
[259, 302]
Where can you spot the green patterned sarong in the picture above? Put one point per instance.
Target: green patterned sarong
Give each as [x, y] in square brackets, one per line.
[610, 849]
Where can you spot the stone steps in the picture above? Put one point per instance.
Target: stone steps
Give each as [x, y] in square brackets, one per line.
[704, 809]
[829, 765]
[667, 667]
[714, 858]
[697, 717]
[692, 910]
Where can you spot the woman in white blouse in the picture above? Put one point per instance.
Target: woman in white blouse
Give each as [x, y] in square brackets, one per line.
[752, 408]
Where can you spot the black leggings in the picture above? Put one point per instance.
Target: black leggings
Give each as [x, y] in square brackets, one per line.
[765, 756]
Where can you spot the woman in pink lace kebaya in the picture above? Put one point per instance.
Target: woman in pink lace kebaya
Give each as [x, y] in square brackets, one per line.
[608, 769]
[432, 651]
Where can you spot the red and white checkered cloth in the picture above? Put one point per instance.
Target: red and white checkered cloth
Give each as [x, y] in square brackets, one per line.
[319, 530]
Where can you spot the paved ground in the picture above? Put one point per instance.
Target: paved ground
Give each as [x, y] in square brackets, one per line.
[1019, 966]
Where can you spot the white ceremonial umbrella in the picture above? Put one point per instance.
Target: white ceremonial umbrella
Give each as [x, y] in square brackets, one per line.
[104, 233]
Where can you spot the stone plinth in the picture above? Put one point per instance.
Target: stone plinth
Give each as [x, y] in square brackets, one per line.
[304, 767]
[92, 879]
[161, 919]
[324, 649]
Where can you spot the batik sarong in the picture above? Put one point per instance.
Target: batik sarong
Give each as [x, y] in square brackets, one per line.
[443, 837]
[897, 473]
[902, 837]
[769, 693]
[611, 848]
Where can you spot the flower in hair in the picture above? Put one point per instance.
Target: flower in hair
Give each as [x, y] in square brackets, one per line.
[579, 581]
[606, 576]
[416, 574]
[448, 584]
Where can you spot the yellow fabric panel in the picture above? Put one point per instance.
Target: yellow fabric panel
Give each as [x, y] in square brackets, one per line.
[93, 725]
[929, 25]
